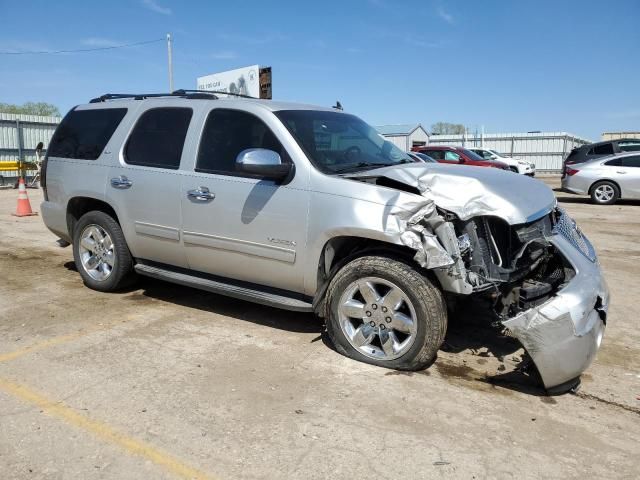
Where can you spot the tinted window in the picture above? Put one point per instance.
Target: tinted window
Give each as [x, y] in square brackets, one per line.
[633, 161]
[606, 149]
[629, 146]
[158, 138]
[451, 156]
[83, 134]
[616, 162]
[229, 132]
[435, 154]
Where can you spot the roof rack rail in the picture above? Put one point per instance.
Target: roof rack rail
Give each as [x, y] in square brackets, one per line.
[201, 94]
[212, 92]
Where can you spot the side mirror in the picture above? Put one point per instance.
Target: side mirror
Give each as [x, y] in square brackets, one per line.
[493, 157]
[461, 160]
[262, 162]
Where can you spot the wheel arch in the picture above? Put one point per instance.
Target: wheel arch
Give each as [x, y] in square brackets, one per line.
[600, 180]
[340, 250]
[78, 206]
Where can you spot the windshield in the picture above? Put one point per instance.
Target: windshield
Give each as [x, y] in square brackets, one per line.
[472, 155]
[338, 142]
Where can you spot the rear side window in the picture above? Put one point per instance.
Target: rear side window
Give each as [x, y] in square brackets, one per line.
[629, 146]
[435, 154]
[158, 138]
[616, 162]
[633, 161]
[83, 134]
[229, 132]
[606, 149]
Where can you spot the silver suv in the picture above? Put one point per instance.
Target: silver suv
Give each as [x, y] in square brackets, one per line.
[310, 209]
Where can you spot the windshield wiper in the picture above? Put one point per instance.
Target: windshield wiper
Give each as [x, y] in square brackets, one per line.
[363, 165]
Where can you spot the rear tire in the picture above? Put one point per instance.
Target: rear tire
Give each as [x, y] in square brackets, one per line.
[605, 193]
[382, 311]
[101, 253]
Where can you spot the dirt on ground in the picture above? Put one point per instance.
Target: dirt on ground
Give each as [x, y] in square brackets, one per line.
[163, 381]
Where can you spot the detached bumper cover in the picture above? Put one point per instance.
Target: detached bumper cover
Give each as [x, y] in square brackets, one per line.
[563, 334]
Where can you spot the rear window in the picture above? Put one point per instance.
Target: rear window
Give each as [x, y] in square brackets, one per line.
[158, 138]
[629, 146]
[83, 134]
[606, 149]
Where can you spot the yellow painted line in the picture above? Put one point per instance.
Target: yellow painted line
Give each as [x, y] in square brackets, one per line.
[103, 431]
[5, 357]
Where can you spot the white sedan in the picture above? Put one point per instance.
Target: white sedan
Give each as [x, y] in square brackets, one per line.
[516, 165]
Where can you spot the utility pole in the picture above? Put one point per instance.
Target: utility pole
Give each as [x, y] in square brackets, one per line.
[170, 54]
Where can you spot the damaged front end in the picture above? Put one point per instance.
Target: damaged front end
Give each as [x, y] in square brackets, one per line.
[482, 235]
[545, 284]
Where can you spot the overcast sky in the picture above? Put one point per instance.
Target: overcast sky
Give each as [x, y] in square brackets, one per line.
[508, 65]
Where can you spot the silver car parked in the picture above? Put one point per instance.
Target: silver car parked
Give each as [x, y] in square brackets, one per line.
[605, 179]
[310, 209]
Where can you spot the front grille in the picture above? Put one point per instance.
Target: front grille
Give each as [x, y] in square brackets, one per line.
[567, 227]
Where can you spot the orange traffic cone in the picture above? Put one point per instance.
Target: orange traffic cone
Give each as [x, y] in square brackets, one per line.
[24, 206]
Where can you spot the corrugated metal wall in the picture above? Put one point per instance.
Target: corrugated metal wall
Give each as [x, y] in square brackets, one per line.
[19, 135]
[546, 150]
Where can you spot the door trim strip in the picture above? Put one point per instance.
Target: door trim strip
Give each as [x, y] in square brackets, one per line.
[159, 231]
[241, 246]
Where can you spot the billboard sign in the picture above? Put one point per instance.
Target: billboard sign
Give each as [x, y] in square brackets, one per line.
[244, 81]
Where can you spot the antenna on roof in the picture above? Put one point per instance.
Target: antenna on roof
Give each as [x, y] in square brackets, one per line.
[338, 106]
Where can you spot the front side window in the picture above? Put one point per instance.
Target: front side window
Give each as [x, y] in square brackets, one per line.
[486, 154]
[338, 142]
[451, 156]
[633, 161]
[83, 134]
[227, 133]
[629, 146]
[158, 138]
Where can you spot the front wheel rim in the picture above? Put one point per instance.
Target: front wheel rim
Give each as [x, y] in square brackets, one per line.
[96, 252]
[604, 193]
[377, 318]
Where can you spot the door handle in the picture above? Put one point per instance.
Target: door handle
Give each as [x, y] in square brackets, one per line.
[201, 194]
[121, 182]
[621, 171]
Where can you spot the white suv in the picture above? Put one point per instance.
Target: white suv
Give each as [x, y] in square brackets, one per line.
[515, 165]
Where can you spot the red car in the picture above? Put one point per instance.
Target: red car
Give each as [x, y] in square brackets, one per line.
[458, 155]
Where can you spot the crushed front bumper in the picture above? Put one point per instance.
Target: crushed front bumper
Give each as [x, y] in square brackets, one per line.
[563, 334]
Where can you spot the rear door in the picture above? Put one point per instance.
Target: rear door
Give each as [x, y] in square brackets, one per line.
[629, 176]
[144, 186]
[241, 226]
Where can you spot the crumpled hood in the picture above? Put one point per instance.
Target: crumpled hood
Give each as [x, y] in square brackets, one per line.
[471, 191]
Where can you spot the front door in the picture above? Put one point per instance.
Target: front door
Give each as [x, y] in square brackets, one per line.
[629, 176]
[240, 226]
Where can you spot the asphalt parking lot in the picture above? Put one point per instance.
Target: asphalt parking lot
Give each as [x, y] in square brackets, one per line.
[163, 381]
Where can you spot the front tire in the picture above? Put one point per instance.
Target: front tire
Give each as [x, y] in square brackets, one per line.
[100, 252]
[605, 193]
[383, 312]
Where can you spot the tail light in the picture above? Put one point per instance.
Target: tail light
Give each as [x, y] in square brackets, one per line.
[570, 171]
[43, 176]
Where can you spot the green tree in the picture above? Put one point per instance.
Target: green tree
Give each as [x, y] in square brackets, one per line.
[31, 108]
[440, 128]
